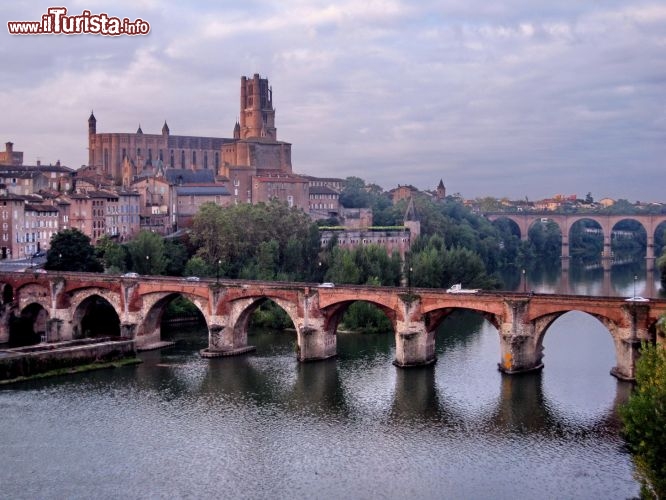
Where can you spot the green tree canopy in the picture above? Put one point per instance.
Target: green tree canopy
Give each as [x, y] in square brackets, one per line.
[147, 253]
[644, 420]
[71, 250]
[263, 241]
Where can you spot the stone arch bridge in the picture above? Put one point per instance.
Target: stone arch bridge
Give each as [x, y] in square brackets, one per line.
[650, 222]
[58, 304]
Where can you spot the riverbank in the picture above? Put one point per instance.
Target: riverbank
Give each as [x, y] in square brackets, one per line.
[45, 360]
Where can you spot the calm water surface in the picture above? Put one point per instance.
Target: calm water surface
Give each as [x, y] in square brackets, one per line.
[265, 426]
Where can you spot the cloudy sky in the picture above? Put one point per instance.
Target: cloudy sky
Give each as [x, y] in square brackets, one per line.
[523, 98]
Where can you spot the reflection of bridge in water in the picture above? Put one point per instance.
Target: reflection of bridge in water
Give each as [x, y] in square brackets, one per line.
[319, 389]
[67, 304]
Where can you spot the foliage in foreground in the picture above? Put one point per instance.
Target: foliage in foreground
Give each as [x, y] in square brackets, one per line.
[644, 421]
[71, 250]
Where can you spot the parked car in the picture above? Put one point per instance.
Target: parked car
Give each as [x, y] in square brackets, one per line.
[637, 299]
[192, 278]
[326, 285]
[41, 253]
[131, 275]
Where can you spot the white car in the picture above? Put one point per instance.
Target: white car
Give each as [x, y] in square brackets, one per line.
[131, 275]
[326, 285]
[637, 299]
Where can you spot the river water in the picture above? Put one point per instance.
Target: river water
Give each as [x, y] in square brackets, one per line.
[264, 426]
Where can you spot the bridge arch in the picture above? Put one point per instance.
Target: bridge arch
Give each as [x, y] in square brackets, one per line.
[435, 317]
[335, 311]
[586, 239]
[30, 326]
[543, 324]
[628, 228]
[509, 225]
[238, 319]
[149, 332]
[33, 292]
[94, 314]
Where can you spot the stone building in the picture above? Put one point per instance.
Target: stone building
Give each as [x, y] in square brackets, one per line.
[41, 222]
[11, 222]
[253, 144]
[9, 156]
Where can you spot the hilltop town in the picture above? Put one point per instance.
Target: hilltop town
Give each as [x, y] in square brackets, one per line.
[158, 181]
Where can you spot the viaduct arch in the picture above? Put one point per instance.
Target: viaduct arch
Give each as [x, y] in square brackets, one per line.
[522, 319]
[565, 222]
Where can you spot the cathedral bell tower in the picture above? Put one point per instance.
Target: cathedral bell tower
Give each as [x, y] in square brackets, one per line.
[257, 116]
[92, 131]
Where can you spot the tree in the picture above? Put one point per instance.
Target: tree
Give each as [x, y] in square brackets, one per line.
[354, 194]
[113, 255]
[239, 237]
[644, 420]
[71, 250]
[147, 253]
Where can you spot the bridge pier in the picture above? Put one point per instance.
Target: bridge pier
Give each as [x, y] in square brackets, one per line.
[5, 316]
[60, 326]
[315, 341]
[628, 341]
[227, 333]
[519, 347]
[414, 344]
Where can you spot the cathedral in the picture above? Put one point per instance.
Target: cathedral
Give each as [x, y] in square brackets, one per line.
[252, 151]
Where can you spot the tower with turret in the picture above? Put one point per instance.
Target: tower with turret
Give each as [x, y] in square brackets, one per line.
[257, 116]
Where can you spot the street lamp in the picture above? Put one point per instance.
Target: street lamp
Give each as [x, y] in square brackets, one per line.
[217, 272]
[635, 278]
[409, 280]
[147, 264]
[524, 282]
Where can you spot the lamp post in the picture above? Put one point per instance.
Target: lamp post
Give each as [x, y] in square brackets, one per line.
[635, 278]
[147, 264]
[60, 262]
[409, 279]
[524, 281]
[217, 272]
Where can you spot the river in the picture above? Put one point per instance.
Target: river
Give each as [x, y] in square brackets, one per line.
[264, 426]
